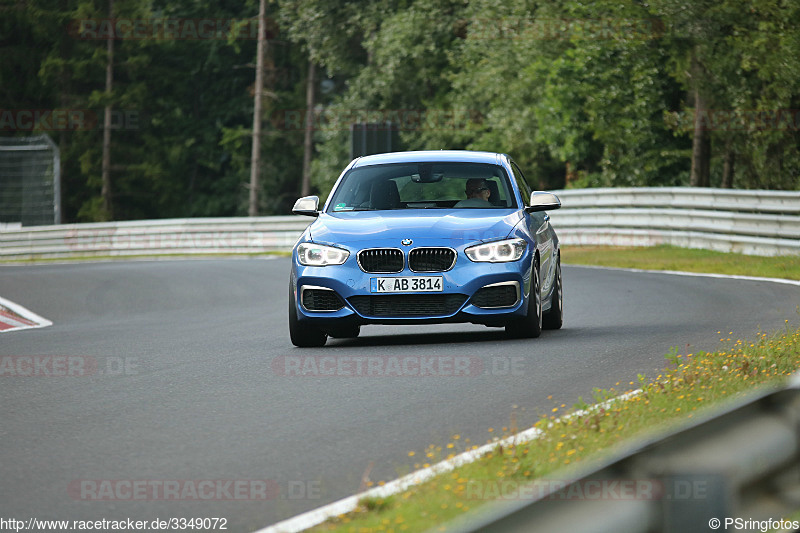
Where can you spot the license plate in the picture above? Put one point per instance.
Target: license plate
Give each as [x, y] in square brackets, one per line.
[407, 284]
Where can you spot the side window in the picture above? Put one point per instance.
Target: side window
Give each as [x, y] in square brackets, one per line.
[522, 184]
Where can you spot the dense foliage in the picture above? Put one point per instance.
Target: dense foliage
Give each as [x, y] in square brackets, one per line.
[600, 93]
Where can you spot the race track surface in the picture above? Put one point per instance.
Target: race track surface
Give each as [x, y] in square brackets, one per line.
[179, 375]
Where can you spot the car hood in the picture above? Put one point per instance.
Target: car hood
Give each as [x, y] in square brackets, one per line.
[433, 226]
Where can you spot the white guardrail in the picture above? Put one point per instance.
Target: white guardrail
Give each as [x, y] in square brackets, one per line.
[750, 222]
[727, 220]
[200, 236]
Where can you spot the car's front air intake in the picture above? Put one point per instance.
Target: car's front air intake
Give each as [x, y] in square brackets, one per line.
[497, 295]
[320, 299]
[408, 305]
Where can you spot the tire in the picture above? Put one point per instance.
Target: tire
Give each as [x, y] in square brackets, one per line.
[301, 335]
[554, 318]
[530, 327]
[345, 332]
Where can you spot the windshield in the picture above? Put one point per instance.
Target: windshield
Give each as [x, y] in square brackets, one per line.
[423, 186]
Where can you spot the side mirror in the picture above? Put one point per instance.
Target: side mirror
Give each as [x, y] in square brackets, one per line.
[307, 205]
[543, 201]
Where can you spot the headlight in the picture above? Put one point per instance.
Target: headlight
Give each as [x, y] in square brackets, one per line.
[497, 252]
[310, 254]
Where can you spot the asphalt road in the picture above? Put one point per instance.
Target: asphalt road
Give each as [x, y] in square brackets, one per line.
[186, 383]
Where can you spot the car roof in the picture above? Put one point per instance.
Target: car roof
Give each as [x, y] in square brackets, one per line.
[462, 156]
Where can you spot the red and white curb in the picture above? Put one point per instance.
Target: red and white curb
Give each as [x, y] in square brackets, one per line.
[14, 317]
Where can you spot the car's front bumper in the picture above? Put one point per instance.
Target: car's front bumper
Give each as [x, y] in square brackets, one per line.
[461, 299]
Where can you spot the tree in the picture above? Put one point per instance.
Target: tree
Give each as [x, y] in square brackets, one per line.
[255, 158]
[108, 206]
[607, 93]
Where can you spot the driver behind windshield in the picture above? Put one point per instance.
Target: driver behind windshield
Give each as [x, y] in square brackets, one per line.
[477, 192]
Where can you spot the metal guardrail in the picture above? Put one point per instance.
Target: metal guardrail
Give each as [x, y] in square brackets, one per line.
[728, 220]
[201, 236]
[740, 200]
[751, 222]
[742, 463]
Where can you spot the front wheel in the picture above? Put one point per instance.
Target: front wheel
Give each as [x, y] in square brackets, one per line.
[530, 326]
[303, 336]
[554, 318]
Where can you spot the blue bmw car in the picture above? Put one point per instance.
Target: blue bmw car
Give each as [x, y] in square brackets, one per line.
[426, 238]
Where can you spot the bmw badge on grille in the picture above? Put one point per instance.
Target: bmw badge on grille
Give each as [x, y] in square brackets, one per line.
[406, 242]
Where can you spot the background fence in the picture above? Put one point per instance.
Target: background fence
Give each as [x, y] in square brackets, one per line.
[29, 181]
[751, 222]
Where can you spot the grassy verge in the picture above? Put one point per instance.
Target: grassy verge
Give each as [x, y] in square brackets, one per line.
[689, 384]
[688, 260]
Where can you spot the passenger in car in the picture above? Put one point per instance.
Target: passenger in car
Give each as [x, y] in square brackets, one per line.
[478, 192]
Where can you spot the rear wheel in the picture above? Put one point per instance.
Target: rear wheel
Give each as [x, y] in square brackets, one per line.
[530, 326]
[554, 318]
[302, 335]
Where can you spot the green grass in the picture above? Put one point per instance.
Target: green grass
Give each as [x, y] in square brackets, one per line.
[690, 385]
[685, 259]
